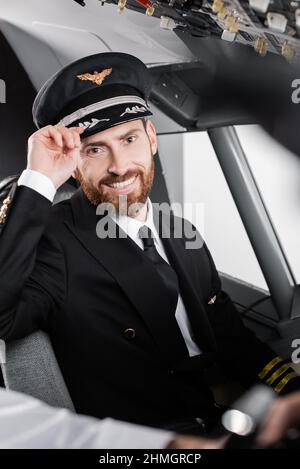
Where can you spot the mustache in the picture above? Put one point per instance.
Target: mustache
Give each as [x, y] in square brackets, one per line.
[113, 179]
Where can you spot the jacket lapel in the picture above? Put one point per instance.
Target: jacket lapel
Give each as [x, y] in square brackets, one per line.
[134, 273]
[190, 292]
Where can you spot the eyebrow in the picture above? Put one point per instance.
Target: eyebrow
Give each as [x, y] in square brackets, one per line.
[100, 143]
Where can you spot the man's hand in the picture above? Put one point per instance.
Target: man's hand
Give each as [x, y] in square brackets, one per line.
[283, 415]
[194, 442]
[54, 152]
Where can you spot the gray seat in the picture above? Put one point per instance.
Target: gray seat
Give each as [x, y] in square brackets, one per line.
[31, 366]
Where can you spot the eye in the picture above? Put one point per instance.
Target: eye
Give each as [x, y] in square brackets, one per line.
[131, 138]
[94, 151]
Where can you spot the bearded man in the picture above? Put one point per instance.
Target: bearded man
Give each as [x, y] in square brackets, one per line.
[136, 317]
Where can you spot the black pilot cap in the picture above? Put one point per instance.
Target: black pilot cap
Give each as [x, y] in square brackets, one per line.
[97, 92]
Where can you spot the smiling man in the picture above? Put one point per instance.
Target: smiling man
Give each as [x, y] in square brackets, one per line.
[135, 319]
[119, 166]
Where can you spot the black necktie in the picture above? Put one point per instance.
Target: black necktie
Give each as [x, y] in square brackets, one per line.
[165, 271]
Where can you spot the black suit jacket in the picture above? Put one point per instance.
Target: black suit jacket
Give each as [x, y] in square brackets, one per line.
[57, 275]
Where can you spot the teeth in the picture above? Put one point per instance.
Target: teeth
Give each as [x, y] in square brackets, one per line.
[122, 184]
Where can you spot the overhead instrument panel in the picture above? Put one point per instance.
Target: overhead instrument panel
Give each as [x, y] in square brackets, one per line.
[265, 25]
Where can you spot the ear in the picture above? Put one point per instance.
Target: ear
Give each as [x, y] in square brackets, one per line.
[75, 174]
[152, 136]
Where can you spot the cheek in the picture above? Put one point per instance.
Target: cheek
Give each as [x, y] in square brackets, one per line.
[91, 171]
[142, 155]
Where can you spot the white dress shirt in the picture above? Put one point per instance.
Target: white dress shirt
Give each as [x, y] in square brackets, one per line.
[38, 182]
[42, 184]
[26, 423]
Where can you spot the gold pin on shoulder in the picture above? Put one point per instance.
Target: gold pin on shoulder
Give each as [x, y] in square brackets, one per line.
[212, 300]
[96, 77]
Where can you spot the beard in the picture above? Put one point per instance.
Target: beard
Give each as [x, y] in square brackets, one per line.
[129, 204]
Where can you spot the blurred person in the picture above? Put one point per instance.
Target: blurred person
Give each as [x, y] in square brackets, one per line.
[283, 415]
[26, 423]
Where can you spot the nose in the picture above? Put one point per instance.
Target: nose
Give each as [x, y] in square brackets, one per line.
[118, 163]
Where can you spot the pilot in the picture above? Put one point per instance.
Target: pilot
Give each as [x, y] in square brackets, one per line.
[128, 292]
[29, 423]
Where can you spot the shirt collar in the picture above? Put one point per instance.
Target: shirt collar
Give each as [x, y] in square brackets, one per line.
[131, 226]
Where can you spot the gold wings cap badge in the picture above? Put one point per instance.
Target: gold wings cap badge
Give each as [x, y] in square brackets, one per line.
[96, 77]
